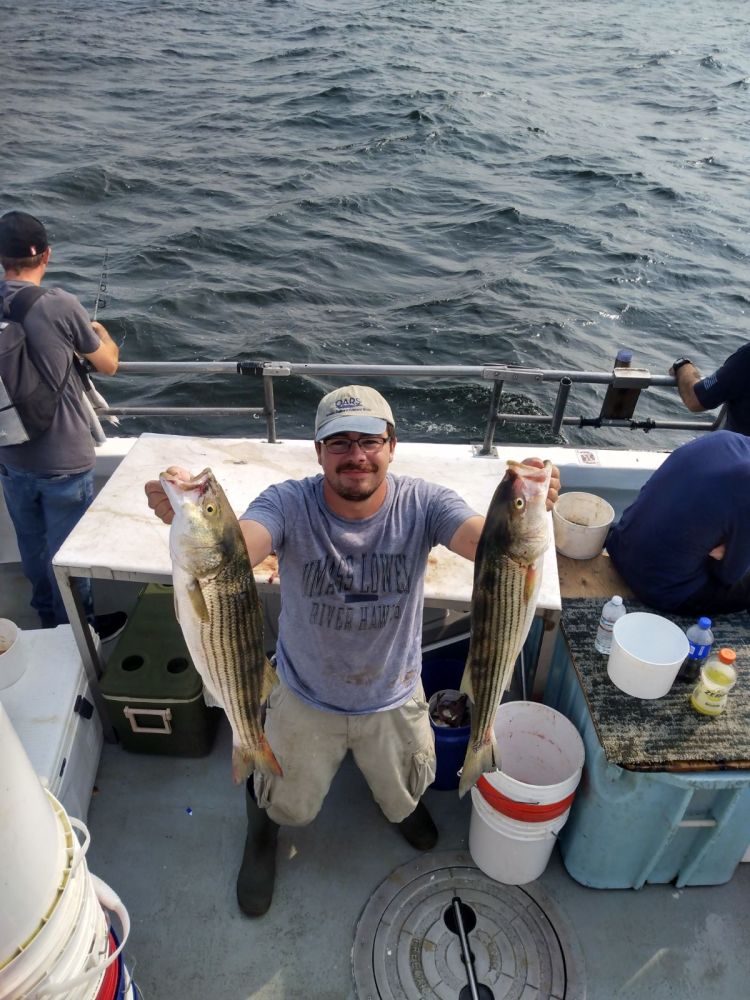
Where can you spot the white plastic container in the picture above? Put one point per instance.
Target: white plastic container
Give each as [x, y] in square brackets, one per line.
[518, 812]
[508, 850]
[32, 846]
[581, 522]
[647, 652]
[68, 954]
[541, 753]
[12, 659]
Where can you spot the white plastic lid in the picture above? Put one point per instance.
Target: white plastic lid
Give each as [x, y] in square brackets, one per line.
[616, 599]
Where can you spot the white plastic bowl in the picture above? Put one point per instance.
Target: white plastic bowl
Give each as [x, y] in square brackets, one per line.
[647, 651]
[581, 522]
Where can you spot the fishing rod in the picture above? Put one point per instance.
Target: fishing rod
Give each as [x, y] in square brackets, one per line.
[102, 290]
[92, 398]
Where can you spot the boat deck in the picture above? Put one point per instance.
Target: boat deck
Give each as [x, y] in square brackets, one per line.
[168, 832]
[168, 835]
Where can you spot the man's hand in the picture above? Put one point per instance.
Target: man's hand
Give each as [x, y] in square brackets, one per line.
[158, 500]
[554, 480]
[107, 355]
[686, 377]
[466, 538]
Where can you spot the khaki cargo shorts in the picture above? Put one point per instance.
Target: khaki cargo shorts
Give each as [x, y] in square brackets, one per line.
[394, 750]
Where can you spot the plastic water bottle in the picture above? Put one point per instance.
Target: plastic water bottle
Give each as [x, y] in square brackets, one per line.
[612, 610]
[701, 639]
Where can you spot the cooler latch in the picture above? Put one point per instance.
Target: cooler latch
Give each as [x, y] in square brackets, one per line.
[83, 707]
[163, 714]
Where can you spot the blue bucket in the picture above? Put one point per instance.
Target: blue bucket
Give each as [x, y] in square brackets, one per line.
[450, 744]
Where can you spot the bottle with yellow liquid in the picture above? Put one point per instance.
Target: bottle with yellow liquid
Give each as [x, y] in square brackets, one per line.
[717, 678]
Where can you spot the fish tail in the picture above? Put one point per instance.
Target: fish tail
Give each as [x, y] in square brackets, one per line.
[478, 761]
[245, 760]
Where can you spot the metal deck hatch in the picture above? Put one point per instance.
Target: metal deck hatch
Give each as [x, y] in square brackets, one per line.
[408, 945]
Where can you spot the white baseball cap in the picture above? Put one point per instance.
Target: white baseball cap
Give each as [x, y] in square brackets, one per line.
[352, 408]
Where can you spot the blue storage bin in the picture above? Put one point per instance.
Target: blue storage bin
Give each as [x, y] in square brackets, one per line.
[450, 744]
[627, 828]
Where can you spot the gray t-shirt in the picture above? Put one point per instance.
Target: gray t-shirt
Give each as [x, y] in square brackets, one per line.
[352, 591]
[56, 325]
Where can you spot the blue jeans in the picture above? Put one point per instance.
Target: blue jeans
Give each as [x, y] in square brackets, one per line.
[44, 510]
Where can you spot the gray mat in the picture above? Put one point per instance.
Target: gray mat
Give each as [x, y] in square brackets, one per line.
[664, 733]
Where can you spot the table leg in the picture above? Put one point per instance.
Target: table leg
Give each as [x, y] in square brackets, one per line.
[88, 645]
[550, 628]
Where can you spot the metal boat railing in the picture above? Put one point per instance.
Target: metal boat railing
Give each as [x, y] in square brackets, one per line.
[624, 385]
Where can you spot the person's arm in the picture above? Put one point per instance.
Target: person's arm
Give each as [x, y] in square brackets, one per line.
[106, 357]
[258, 541]
[687, 375]
[465, 540]
[257, 537]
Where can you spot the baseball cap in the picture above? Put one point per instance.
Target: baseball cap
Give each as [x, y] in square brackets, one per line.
[352, 408]
[21, 235]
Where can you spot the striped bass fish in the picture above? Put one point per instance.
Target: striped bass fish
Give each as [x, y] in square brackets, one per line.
[219, 612]
[507, 576]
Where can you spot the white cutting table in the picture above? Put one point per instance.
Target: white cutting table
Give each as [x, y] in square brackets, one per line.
[119, 538]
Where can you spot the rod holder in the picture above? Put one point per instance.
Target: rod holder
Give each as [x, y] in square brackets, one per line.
[560, 403]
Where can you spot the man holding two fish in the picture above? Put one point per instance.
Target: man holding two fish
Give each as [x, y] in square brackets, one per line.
[352, 545]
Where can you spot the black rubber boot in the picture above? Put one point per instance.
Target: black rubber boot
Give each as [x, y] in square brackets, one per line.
[419, 829]
[258, 869]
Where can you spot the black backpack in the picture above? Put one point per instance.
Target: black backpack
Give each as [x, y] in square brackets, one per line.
[27, 401]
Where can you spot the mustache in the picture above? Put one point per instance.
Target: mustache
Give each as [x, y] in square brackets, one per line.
[353, 467]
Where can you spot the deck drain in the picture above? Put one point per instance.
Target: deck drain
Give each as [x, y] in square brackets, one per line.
[408, 941]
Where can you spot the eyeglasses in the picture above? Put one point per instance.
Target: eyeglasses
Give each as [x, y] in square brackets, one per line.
[342, 445]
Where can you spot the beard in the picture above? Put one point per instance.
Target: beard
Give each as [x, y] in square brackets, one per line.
[353, 491]
[346, 493]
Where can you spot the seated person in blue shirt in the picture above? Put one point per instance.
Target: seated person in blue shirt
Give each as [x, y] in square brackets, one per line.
[683, 546]
[730, 384]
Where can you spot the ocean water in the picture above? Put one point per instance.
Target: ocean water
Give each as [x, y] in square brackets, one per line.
[399, 181]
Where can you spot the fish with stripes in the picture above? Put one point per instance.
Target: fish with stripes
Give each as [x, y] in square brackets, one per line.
[507, 576]
[219, 612]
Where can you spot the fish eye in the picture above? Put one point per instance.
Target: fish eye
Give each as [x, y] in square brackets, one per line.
[519, 503]
[210, 508]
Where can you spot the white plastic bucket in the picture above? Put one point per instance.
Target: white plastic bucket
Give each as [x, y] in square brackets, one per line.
[647, 652]
[86, 945]
[508, 850]
[79, 973]
[69, 954]
[541, 753]
[581, 522]
[517, 812]
[54, 928]
[33, 848]
[12, 661]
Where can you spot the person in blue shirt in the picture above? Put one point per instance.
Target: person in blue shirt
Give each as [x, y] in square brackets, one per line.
[353, 545]
[683, 546]
[728, 385]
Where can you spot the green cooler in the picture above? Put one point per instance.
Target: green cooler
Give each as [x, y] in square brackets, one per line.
[153, 693]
